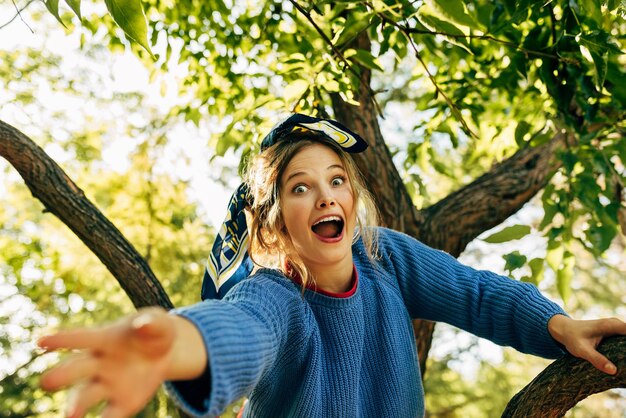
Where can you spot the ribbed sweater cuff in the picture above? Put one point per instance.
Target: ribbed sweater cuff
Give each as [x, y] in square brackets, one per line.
[230, 361]
[538, 307]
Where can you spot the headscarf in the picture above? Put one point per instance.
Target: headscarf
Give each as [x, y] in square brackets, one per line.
[229, 261]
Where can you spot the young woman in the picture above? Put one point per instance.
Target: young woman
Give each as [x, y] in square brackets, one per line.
[327, 331]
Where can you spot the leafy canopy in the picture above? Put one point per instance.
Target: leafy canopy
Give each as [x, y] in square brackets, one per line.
[481, 79]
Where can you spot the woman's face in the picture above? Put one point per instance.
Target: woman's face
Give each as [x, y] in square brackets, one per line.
[317, 205]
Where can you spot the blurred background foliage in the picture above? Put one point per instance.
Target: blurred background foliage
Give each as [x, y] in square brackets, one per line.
[116, 146]
[461, 86]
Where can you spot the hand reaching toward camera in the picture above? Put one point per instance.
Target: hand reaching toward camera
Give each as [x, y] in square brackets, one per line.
[124, 363]
[581, 338]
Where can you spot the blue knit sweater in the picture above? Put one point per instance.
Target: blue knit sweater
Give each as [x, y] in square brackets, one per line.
[320, 357]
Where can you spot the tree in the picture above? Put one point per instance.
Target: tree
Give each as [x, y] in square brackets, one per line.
[47, 276]
[519, 98]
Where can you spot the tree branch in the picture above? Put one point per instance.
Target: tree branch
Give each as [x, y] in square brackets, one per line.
[453, 222]
[19, 14]
[60, 195]
[407, 34]
[568, 381]
[489, 38]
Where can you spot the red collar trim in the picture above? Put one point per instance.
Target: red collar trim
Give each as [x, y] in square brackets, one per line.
[311, 286]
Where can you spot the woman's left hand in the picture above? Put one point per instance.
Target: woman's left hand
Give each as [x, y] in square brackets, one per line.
[581, 338]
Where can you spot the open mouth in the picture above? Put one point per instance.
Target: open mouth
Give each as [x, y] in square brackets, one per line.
[329, 227]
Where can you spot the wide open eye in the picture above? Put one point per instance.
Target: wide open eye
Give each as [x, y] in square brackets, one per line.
[300, 188]
[338, 181]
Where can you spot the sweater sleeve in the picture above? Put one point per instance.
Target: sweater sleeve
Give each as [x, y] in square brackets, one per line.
[243, 334]
[435, 286]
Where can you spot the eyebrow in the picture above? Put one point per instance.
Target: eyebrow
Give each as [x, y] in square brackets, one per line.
[300, 173]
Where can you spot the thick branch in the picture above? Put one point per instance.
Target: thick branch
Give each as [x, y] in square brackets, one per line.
[566, 382]
[49, 183]
[457, 219]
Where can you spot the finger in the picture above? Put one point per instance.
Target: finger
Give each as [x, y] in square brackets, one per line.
[74, 340]
[114, 411]
[84, 398]
[69, 372]
[155, 328]
[151, 324]
[599, 361]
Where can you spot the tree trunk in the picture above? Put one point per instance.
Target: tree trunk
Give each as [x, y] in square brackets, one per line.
[49, 183]
[453, 222]
[566, 382]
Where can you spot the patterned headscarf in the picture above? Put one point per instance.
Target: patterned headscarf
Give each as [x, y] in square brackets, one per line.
[229, 261]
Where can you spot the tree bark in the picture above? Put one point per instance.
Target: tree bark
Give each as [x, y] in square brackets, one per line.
[58, 193]
[62, 197]
[453, 222]
[568, 381]
[460, 217]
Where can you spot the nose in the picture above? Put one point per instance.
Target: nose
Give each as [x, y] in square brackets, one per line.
[326, 201]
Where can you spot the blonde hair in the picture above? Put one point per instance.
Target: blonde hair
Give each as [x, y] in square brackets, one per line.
[270, 244]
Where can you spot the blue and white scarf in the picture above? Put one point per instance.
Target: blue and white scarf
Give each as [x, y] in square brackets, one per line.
[229, 261]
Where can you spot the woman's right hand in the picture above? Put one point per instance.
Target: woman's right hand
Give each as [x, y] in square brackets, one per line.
[122, 364]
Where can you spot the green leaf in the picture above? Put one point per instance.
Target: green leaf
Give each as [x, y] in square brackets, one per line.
[511, 6]
[520, 133]
[386, 35]
[53, 7]
[295, 90]
[398, 42]
[366, 59]
[591, 10]
[564, 277]
[597, 45]
[355, 24]
[537, 39]
[129, 15]
[445, 128]
[514, 261]
[536, 267]
[550, 209]
[519, 63]
[554, 255]
[518, 13]
[454, 11]
[615, 75]
[601, 237]
[598, 42]
[75, 6]
[601, 65]
[508, 234]
[457, 37]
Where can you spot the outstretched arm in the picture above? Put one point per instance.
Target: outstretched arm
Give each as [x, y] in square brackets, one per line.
[580, 338]
[436, 286]
[124, 363]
